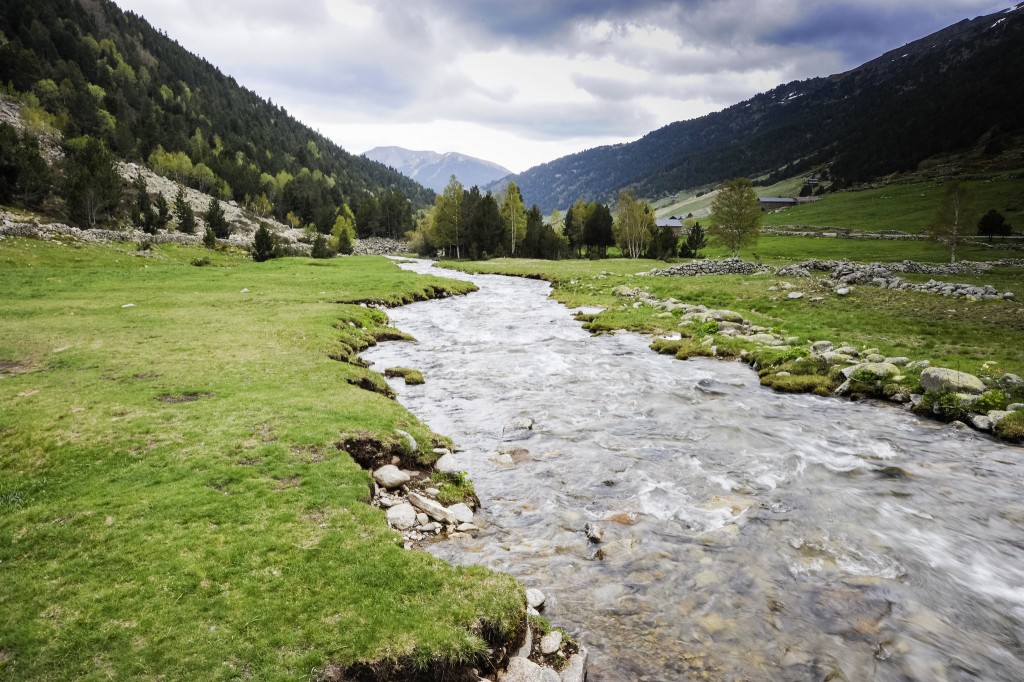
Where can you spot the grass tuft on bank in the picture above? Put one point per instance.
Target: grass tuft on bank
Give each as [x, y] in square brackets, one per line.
[173, 500]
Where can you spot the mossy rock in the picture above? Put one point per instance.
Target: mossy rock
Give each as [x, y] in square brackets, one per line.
[1011, 427]
[818, 384]
[413, 377]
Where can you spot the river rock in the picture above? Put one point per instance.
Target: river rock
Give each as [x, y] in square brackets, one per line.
[576, 670]
[527, 648]
[980, 422]
[996, 416]
[410, 443]
[467, 527]
[594, 532]
[616, 548]
[521, 670]
[1009, 381]
[422, 519]
[551, 642]
[725, 316]
[402, 516]
[461, 512]
[848, 350]
[943, 380]
[535, 598]
[447, 464]
[549, 675]
[874, 370]
[390, 477]
[433, 509]
[834, 358]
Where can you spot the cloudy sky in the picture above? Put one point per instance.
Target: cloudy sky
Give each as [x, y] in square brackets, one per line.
[522, 82]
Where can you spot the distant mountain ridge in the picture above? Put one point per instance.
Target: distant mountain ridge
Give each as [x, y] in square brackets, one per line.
[937, 95]
[434, 170]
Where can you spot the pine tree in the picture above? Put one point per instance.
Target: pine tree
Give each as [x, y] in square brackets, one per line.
[263, 243]
[186, 216]
[91, 183]
[216, 220]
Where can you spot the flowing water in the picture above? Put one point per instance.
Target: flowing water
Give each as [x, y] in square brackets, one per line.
[749, 535]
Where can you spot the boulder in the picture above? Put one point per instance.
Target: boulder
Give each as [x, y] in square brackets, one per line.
[551, 642]
[576, 670]
[725, 316]
[550, 675]
[1010, 381]
[535, 598]
[521, 670]
[433, 509]
[979, 422]
[410, 443]
[793, 295]
[944, 380]
[390, 477]
[447, 464]
[819, 347]
[461, 512]
[874, 370]
[402, 516]
[996, 416]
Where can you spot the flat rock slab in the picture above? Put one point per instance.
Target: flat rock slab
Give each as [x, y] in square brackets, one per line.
[433, 509]
[941, 380]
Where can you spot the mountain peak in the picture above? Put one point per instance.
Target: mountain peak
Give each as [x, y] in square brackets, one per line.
[434, 170]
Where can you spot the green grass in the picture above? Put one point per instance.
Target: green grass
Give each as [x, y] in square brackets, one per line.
[172, 504]
[905, 207]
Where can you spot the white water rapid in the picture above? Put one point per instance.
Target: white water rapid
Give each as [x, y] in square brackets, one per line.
[749, 535]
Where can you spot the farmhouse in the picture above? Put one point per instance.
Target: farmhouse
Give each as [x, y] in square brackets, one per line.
[675, 222]
[772, 203]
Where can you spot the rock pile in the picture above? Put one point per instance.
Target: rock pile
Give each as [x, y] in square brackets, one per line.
[544, 653]
[412, 505]
[380, 246]
[727, 266]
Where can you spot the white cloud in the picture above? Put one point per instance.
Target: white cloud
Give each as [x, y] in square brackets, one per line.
[522, 83]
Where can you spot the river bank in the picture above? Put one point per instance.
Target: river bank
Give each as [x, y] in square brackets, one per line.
[832, 527]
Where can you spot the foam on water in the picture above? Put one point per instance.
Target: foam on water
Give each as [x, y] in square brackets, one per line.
[742, 526]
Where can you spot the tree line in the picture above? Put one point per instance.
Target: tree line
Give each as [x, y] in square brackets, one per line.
[468, 224]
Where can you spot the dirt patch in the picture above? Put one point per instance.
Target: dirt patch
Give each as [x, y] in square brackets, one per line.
[371, 384]
[249, 462]
[187, 397]
[310, 454]
[13, 367]
[286, 483]
[369, 452]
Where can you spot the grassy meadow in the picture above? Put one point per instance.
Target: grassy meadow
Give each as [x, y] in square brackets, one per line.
[172, 501]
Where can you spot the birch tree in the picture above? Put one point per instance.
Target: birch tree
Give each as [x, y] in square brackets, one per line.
[955, 216]
[634, 224]
[513, 212]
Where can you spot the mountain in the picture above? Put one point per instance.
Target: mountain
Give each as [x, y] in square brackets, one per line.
[940, 94]
[85, 67]
[434, 170]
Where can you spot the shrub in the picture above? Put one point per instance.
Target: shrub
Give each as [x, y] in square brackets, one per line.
[209, 239]
[201, 262]
[320, 248]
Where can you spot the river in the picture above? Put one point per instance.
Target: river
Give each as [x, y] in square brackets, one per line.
[748, 535]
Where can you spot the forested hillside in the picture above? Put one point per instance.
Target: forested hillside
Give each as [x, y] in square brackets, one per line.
[940, 94]
[85, 68]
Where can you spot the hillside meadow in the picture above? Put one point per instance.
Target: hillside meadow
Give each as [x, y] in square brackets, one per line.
[173, 504]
